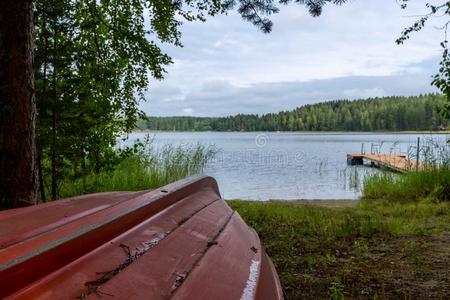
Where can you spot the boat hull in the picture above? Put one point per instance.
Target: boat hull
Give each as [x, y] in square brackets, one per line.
[181, 241]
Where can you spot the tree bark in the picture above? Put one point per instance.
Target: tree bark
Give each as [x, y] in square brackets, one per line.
[18, 170]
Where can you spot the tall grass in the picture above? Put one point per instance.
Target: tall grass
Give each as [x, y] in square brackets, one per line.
[434, 153]
[150, 168]
[433, 184]
[430, 183]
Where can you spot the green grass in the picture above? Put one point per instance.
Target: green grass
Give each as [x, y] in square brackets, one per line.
[149, 169]
[433, 184]
[391, 244]
[324, 252]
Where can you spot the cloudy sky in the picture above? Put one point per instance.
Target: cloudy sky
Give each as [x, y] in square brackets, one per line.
[227, 66]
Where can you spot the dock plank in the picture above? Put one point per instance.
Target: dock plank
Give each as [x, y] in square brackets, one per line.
[394, 162]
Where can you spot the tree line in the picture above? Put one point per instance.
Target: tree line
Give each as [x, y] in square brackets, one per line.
[373, 114]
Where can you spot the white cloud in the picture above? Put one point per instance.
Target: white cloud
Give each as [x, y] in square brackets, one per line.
[221, 98]
[228, 66]
[188, 111]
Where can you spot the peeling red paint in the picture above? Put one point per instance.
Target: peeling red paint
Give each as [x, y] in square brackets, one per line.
[134, 245]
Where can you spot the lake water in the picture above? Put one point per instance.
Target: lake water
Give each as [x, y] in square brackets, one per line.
[262, 166]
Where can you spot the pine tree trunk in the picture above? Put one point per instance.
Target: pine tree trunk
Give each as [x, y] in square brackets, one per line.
[18, 171]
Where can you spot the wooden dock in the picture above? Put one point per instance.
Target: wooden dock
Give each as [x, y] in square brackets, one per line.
[395, 162]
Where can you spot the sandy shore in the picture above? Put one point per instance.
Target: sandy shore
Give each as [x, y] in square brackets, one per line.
[320, 202]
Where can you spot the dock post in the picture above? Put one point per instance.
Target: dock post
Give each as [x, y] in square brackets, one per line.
[417, 154]
[354, 160]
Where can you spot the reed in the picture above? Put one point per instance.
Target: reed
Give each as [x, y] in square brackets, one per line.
[148, 169]
[432, 184]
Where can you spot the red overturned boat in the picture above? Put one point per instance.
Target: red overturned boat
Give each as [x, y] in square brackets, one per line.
[181, 241]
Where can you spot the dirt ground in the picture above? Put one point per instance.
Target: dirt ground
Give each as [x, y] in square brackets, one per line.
[361, 262]
[321, 202]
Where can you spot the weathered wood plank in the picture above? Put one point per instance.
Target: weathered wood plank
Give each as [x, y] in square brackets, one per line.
[159, 272]
[30, 260]
[88, 272]
[229, 270]
[51, 215]
[395, 162]
[180, 241]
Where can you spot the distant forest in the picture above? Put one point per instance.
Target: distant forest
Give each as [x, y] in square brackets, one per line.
[373, 114]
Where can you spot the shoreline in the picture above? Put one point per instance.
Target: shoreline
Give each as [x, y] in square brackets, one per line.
[305, 132]
[311, 202]
[318, 202]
